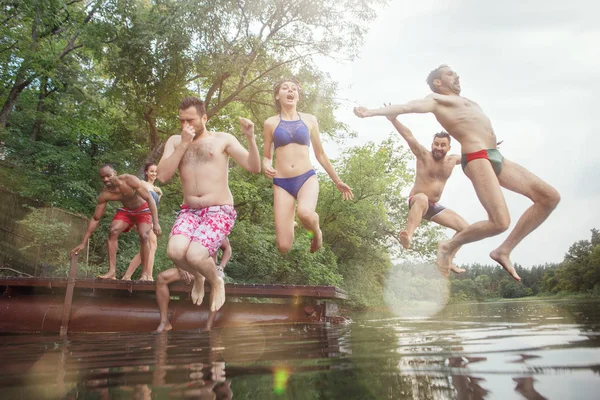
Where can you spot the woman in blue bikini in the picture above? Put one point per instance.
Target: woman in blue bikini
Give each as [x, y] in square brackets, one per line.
[290, 134]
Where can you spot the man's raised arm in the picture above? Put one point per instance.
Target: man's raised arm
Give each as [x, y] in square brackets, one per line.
[417, 149]
[174, 152]
[248, 159]
[420, 106]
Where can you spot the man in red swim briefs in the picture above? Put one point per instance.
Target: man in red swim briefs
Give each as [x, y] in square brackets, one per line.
[207, 215]
[139, 209]
[483, 164]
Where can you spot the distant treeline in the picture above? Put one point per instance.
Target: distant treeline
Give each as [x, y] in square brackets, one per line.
[578, 273]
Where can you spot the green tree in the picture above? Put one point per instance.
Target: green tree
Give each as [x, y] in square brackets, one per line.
[37, 37]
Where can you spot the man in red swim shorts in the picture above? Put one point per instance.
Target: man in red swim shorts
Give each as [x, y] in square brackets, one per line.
[207, 215]
[139, 209]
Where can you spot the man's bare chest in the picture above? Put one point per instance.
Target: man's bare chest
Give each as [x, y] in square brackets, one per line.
[202, 153]
[432, 170]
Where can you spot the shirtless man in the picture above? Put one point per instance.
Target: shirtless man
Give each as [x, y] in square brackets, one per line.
[433, 170]
[207, 215]
[166, 277]
[138, 210]
[483, 164]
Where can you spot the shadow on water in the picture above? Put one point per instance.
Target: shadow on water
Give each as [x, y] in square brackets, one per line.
[530, 350]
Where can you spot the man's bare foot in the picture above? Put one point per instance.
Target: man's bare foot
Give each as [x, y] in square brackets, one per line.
[146, 278]
[126, 278]
[444, 260]
[164, 326]
[198, 289]
[217, 295]
[405, 240]
[504, 260]
[456, 270]
[109, 275]
[317, 241]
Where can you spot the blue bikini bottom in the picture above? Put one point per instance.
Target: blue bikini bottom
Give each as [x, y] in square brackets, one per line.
[293, 185]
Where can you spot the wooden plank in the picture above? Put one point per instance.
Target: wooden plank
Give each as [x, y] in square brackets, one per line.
[236, 289]
[71, 280]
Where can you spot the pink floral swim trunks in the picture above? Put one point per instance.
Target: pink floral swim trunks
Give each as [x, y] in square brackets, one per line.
[208, 226]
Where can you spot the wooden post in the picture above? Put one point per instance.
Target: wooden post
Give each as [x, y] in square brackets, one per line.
[64, 325]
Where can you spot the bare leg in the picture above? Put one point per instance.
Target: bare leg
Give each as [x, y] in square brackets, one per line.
[144, 232]
[177, 249]
[307, 205]
[545, 199]
[452, 220]
[418, 208]
[147, 271]
[162, 296]
[116, 227]
[488, 191]
[211, 319]
[133, 264]
[284, 206]
[203, 265]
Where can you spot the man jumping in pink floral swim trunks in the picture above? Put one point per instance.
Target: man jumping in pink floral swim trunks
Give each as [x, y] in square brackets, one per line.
[207, 215]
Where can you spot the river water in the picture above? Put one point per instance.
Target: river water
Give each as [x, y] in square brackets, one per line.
[504, 350]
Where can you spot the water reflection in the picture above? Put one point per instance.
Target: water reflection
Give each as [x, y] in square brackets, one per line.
[529, 350]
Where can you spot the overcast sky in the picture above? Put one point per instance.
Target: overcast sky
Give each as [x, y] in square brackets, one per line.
[533, 67]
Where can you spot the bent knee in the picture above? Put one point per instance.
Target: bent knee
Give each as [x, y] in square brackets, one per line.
[284, 245]
[550, 198]
[176, 254]
[501, 224]
[419, 202]
[162, 278]
[420, 198]
[462, 226]
[113, 233]
[306, 215]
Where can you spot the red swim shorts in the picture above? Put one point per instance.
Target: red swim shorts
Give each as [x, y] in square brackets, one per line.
[140, 215]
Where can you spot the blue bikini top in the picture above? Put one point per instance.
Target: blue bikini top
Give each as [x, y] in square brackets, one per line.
[154, 196]
[291, 132]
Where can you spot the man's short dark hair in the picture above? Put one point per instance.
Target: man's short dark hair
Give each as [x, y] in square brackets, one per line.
[441, 135]
[433, 75]
[193, 102]
[107, 164]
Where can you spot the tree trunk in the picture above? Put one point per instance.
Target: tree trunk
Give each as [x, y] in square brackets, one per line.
[37, 125]
[152, 126]
[11, 100]
[153, 157]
